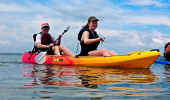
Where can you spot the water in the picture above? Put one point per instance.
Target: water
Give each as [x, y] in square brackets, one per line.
[20, 81]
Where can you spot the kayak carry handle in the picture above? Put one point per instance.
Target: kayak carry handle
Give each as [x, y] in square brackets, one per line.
[155, 50]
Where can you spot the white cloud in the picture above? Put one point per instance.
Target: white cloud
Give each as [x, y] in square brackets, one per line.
[135, 38]
[4, 42]
[147, 3]
[131, 38]
[12, 8]
[20, 21]
[7, 7]
[27, 6]
[3, 27]
[149, 20]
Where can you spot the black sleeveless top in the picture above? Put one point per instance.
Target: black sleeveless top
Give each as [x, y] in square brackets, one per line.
[85, 48]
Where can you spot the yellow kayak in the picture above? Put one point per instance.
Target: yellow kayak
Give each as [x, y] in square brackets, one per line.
[135, 59]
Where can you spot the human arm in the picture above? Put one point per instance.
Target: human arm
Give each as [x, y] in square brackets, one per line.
[39, 45]
[86, 39]
[59, 40]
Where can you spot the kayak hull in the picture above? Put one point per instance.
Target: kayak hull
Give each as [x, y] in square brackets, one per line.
[135, 59]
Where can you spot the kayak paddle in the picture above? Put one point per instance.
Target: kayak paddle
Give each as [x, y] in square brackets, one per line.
[40, 58]
[158, 40]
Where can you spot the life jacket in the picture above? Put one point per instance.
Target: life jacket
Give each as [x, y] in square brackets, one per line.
[46, 39]
[85, 48]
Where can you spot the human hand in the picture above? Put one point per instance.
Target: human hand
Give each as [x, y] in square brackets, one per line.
[52, 44]
[102, 39]
[60, 35]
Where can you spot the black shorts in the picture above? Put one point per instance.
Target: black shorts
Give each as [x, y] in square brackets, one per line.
[50, 52]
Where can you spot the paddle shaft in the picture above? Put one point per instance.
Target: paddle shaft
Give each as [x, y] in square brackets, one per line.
[59, 38]
[56, 41]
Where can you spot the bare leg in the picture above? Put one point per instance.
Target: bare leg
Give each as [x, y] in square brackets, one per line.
[56, 50]
[66, 51]
[112, 53]
[100, 52]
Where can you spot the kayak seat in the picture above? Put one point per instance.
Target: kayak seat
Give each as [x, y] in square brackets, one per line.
[35, 49]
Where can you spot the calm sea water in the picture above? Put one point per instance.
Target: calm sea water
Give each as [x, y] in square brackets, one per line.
[20, 81]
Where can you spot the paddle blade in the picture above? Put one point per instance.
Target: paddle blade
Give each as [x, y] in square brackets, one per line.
[67, 28]
[40, 58]
[158, 40]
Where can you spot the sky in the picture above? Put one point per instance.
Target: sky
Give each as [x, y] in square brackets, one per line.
[127, 25]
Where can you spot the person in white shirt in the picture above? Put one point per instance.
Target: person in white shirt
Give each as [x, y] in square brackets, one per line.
[44, 40]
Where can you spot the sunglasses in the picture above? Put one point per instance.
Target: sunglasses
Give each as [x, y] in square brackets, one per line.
[45, 27]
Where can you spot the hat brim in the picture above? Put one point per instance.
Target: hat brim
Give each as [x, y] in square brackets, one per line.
[45, 26]
[94, 20]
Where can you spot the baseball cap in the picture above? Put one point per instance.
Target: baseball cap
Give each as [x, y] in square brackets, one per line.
[45, 24]
[92, 18]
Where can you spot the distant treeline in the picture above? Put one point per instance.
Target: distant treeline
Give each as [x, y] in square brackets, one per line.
[11, 53]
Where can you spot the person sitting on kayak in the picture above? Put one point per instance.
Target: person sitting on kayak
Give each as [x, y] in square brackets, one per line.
[167, 51]
[89, 40]
[44, 40]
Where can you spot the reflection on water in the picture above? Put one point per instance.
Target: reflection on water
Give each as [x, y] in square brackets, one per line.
[167, 73]
[92, 78]
[106, 76]
[86, 76]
